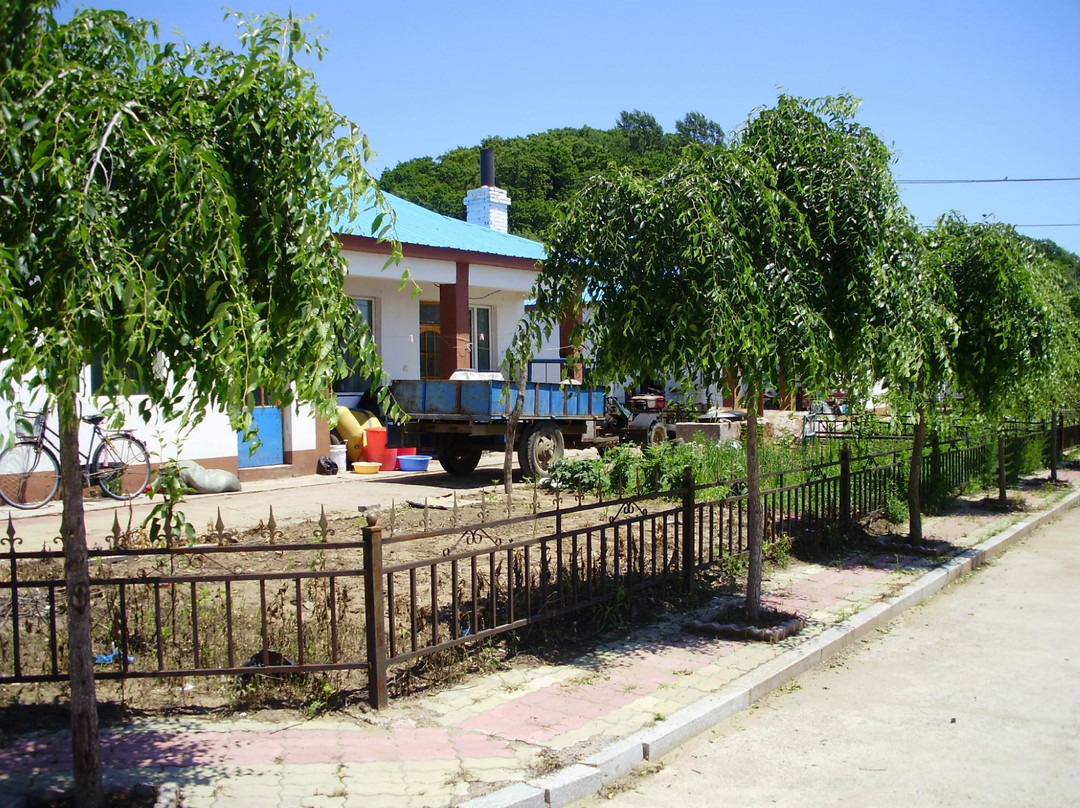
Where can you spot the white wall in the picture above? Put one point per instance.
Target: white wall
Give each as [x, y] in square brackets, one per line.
[397, 312]
[396, 328]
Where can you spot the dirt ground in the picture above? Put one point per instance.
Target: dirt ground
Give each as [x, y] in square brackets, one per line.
[35, 707]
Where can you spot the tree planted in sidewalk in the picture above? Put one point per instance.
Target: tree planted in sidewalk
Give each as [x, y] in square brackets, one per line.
[767, 259]
[166, 212]
[1016, 348]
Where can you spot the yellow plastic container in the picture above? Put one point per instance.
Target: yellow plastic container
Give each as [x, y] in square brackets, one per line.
[365, 467]
[352, 426]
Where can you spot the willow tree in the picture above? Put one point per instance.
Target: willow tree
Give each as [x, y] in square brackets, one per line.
[166, 212]
[914, 357]
[1016, 347]
[761, 259]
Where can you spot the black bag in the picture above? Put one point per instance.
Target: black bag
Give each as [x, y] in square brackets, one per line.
[326, 466]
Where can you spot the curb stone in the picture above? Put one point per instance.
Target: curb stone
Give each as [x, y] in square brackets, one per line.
[168, 796]
[519, 795]
[570, 784]
[622, 757]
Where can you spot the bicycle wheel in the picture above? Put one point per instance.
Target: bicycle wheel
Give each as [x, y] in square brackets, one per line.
[29, 475]
[121, 467]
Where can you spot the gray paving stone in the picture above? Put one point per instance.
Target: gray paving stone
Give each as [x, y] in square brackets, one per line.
[567, 785]
[620, 758]
[519, 795]
[693, 720]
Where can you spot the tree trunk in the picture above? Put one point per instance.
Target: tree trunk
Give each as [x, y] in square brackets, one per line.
[755, 527]
[914, 501]
[85, 743]
[520, 371]
[1002, 495]
[1055, 446]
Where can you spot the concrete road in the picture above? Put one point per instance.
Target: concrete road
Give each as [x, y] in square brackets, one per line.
[970, 699]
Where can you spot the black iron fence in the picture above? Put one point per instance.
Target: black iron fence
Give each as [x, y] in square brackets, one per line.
[386, 600]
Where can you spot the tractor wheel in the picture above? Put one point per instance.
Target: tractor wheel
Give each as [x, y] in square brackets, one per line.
[459, 460]
[656, 435]
[540, 447]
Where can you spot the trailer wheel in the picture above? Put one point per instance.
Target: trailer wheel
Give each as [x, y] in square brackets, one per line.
[540, 447]
[656, 435]
[459, 460]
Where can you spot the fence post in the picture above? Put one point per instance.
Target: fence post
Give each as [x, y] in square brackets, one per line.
[845, 487]
[375, 606]
[1055, 446]
[688, 519]
[1002, 474]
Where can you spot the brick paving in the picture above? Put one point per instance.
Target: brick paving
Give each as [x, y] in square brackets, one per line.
[446, 747]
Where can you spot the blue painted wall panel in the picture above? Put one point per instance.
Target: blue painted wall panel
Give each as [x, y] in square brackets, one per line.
[271, 451]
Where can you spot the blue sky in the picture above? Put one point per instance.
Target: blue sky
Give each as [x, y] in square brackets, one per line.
[961, 90]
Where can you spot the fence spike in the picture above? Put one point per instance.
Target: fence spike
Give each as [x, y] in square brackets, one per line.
[393, 515]
[115, 537]
[456, 515]
[536, 503]
[271, 527]
[426, 514]
[324, 531]
[11, 540]
[219, 529]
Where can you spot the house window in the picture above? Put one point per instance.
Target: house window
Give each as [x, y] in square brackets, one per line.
[480, 337]
[358, 381]
[430, 341]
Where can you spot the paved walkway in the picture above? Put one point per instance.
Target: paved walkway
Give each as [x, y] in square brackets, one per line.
[972, 698]
[537, 736]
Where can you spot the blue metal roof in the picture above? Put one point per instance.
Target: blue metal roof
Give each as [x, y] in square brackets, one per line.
[418, 225]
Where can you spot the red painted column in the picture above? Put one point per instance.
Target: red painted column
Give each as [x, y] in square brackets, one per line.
[454, 321]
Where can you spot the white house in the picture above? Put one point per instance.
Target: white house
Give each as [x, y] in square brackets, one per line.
[470, 281]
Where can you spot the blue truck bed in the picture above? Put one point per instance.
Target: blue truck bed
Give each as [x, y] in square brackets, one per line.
[482, 400]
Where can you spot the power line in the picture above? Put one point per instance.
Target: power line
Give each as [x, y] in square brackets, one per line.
[1003, 179]
[1018, 226]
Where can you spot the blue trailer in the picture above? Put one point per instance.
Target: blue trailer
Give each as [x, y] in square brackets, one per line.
[457, 420]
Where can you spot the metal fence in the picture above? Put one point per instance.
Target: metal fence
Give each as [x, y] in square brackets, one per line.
[327, 605]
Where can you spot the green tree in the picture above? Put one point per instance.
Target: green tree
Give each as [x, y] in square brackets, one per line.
[539, 171]
[750, 243]
[916, 336]
[166, 210]
[696, 128]
[642, 131]
[1016, 349]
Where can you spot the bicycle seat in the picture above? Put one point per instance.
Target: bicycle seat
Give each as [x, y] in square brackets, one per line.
[93, 420]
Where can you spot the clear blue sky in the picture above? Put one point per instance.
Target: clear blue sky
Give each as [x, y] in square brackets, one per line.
[979, 89]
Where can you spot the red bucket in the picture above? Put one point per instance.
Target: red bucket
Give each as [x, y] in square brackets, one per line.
[389, 459]
[375, 444]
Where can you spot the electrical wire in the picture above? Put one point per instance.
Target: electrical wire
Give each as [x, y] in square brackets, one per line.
[1003, 179]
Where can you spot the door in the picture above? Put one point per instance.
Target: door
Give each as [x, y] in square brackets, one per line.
[271, 451]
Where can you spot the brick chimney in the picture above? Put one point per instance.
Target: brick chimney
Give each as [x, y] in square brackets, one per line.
[487, 205]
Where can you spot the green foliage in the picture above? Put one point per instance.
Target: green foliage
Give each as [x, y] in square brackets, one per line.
[778, 247]
[696, 128]
[1017, 344]
[166, 522]
[896, 506]
[1030, 453]
[580, 474]
[543, 170]
[168, 211]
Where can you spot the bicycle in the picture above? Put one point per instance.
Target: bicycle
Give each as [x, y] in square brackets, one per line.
[116, 461]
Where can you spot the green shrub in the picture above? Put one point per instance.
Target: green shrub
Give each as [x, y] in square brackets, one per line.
[582, 474]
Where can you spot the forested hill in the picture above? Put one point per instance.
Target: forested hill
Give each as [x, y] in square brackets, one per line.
[541, 170]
